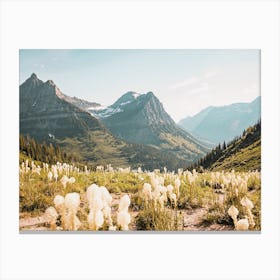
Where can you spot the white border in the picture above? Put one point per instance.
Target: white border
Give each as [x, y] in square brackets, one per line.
[156, 24]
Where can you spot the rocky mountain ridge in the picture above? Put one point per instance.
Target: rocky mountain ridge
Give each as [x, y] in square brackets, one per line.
[46, 115]
[142, 119]
[223, 123]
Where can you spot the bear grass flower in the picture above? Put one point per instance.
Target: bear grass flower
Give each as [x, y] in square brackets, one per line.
[123, 217]
[100, 201]
[72, 202]
[242, 224]
[182, 188]
[248, 204]
[233, 213]
[51, 216]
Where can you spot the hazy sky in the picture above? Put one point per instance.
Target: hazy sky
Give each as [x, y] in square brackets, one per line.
[185, 81]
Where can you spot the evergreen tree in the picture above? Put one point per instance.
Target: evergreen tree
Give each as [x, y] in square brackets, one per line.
[48, 153]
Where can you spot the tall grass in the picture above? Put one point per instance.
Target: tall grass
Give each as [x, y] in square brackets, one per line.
[216, 192]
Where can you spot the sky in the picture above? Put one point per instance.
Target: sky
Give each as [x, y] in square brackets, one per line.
[185, 81]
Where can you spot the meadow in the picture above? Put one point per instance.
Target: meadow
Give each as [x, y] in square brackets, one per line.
[63, 197]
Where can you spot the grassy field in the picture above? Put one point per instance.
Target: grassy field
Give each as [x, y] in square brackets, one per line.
[135, 200]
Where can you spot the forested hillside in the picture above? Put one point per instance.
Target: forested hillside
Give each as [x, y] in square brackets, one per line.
[241, 154]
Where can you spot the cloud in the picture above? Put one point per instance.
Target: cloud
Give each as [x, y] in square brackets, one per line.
[195, 83]
[188, 82]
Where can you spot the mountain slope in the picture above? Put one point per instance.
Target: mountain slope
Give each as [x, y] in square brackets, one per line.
[45, 115]
[141, 118]
[190, 123]
[241, 154]
[218, 124]
[43, 112]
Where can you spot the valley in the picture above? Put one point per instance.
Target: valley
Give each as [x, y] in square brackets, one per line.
[121, 139]
[129, 166]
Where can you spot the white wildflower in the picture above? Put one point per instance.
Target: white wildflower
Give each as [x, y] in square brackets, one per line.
[242, 224]
[51, 217]
[71, 180]
[50, 175]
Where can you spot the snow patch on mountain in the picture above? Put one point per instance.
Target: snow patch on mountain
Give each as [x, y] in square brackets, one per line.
[105, 113]
[124, 103]
[135, 94]
[102, 112]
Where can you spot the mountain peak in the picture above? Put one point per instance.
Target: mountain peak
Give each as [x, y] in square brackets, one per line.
[126, 98]
[143, 120]
[150, 93]
[34, 76]
[131, 95]
[32, 82]
[50, 83]
[150, 96]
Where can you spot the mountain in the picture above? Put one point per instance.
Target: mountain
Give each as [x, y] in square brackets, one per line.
[46, 114]
[141, 118]
[190, 123]
[117, 107]
[218, 124]
[126, 98]
[241, 154]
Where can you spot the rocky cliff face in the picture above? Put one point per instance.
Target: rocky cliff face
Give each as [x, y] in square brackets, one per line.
[44, 112]
[141, 118]
[140, 121]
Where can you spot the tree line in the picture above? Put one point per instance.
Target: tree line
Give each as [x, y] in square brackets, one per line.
[49, 153]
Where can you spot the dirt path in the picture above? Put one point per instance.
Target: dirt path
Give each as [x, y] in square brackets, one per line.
[193, 221]
[193, 218]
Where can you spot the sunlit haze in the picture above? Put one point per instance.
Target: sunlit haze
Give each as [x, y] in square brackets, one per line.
[185, 81]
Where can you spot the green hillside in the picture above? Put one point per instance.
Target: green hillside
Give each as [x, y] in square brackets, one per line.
[87, 152]
[241, 154]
